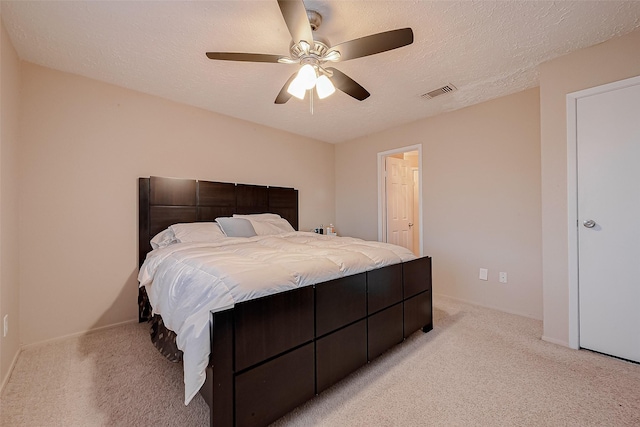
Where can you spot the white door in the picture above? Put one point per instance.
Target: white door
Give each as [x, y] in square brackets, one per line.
[416, 211]
[399, 202]
[608, 150]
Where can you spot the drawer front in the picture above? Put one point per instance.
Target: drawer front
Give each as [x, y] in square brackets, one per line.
[267, 392]
[416, 276]
[340, 353]
[385, 330]
[418, 313]
[340, 302]
[384, 287]
[271, 325]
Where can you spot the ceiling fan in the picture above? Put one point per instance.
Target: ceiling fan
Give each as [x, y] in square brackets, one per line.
[312, 55]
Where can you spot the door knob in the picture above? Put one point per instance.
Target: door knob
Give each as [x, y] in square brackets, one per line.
[410, 224]
[589, 223]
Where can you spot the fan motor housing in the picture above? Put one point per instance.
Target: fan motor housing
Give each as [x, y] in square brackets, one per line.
[318, 50]
[315, 19]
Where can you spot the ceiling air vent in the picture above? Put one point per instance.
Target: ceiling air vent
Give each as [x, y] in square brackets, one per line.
[440, 91]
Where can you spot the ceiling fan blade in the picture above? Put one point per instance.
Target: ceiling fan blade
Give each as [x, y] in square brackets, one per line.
[250, 57]
[295, 16]
[284, 96]
[375, 43]
[348, 85]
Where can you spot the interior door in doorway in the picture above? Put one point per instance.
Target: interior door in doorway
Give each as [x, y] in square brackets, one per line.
[399, 193]
[416, 211]
[608, 155]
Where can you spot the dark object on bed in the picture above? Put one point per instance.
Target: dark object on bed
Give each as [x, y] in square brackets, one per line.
[271, 354]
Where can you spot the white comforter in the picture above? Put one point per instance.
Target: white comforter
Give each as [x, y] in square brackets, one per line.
[186, 281]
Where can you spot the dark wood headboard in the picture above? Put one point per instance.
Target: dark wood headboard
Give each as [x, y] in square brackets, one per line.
[167, 201]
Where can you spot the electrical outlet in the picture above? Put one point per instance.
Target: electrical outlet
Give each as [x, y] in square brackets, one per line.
[484, 274]
[6, 325]
[502, 277]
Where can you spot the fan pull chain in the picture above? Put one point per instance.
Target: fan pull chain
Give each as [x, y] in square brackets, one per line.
[311, 100]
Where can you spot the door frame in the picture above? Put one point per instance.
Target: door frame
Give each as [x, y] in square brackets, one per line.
[572, 198]
[382, 197]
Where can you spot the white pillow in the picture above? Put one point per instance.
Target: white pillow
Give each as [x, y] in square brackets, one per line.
[236, 227]
[265, 228]
[162, 239]
[267, 224]
[258, 217]
[197, 232]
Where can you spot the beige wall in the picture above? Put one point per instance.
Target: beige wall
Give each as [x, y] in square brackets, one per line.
[83, 146]
[481, 192]
[614, 60]
[9, 276]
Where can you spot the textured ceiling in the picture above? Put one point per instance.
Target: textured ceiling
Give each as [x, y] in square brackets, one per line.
[486, 49]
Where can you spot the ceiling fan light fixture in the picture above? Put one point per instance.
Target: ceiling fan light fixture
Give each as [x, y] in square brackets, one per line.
[324, 87]
[296, 88]
[312, 52]
[307, 76]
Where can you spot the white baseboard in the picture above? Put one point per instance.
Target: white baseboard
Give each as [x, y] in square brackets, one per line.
[77, 334]
[5, 380]
[479, 304]
[555, 341]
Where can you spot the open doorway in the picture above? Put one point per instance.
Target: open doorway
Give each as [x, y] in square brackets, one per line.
[400, 197]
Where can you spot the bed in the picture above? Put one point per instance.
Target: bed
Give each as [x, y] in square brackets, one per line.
[270, 354]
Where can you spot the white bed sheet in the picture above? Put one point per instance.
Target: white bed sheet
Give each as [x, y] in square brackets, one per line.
[186, 281]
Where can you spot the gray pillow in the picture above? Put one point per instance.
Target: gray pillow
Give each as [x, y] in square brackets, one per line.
[236, 227]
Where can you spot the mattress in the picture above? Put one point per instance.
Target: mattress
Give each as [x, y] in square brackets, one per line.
[187, 281]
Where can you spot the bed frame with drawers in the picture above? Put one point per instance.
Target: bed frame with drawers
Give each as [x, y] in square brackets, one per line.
[271, 354]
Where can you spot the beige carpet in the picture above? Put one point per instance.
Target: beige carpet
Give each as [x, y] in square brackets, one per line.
[477, 367]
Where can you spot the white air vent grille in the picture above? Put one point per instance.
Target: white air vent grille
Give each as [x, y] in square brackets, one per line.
[440, 91]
